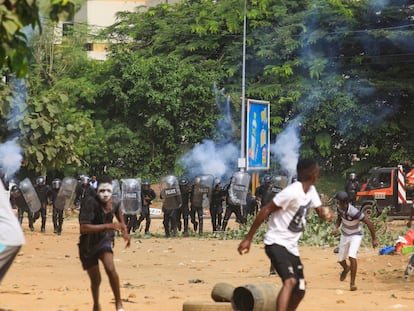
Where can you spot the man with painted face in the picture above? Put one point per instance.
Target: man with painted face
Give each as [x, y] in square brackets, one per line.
[97, 238]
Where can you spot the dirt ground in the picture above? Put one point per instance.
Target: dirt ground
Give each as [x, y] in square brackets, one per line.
[161, 274]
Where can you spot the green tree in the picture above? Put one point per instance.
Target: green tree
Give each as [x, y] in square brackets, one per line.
[14, 17]
[165, 102]
[50, 132]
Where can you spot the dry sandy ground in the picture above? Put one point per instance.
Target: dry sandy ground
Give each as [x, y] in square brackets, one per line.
[161, 274]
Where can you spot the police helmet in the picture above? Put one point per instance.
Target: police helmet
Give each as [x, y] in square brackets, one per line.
[41, 180]
[84, 179]
[217, 182]
[183, 181]
[352, 176]
[267, 179]
[146, 182]
[15, 191]
[56, 183]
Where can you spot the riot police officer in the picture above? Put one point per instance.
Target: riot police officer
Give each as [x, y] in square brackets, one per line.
[184, 212]
[262, 191]
[170, 193]
[216, 205]
[232, 208]
[352, 187]
[84, 190]
[44, 192]
[57, 214]
[148, 194]
[201, 197]
[17, 200]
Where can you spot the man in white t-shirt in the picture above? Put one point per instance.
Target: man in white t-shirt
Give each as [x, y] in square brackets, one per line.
[11, 234]
[288, 211]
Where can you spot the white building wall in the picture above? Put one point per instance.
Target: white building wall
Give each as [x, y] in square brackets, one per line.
[99, 14]
[102, 13]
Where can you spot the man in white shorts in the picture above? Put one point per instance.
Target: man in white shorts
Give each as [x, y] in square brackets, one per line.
[352, 233]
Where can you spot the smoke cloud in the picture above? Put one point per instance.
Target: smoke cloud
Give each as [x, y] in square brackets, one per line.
[218, 158]
[10, 152]
[10, 157]
[285, 150]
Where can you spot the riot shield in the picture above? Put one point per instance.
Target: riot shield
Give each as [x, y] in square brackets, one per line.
[170, 192]
[116, 194]
[30, 195]
[280, 181]
[66, 194]
[202, 192]
[239, 187]
[131, 202]
[278, 184]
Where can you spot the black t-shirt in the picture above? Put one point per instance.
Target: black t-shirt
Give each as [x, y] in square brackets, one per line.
[92, 212]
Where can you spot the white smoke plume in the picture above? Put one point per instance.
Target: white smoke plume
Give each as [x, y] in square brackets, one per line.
[10, 152]
[209, 158]
[10, 158]
[216, 158]
[285, 150]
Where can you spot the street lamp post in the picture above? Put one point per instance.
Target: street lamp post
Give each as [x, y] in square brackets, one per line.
[243, 103]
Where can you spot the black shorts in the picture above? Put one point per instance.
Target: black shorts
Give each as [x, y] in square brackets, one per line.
[89, 262]
[286, 264]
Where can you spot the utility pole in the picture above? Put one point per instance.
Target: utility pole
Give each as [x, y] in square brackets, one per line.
[242, 160]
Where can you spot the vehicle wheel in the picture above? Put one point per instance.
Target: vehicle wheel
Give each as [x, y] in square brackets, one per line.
[207, 306]
[368, 210]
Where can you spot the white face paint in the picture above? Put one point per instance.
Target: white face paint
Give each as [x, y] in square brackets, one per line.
[105, 192]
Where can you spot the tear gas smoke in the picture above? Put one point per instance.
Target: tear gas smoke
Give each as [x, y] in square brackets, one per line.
[10, 151]
[285, 150]
[216, 158]
[10, 157]
[209, 158]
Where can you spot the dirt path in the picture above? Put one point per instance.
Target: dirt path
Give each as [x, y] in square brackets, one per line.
[161, 274]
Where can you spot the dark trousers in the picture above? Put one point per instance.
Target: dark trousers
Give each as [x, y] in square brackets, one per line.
[131, 222]
[186, 213]
[42, 212]
[20, 213]
[170, 222]
[216, 213]
[57, 217]
[230, 209]
[145, 214]
[199, 211]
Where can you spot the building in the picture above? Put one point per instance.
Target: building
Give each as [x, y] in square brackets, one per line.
[98, 14]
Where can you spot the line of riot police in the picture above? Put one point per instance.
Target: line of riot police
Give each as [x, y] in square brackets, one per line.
[182, 201]
[35, 199]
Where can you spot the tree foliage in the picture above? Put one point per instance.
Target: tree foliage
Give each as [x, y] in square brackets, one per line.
[14, 17]
[342, 68]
